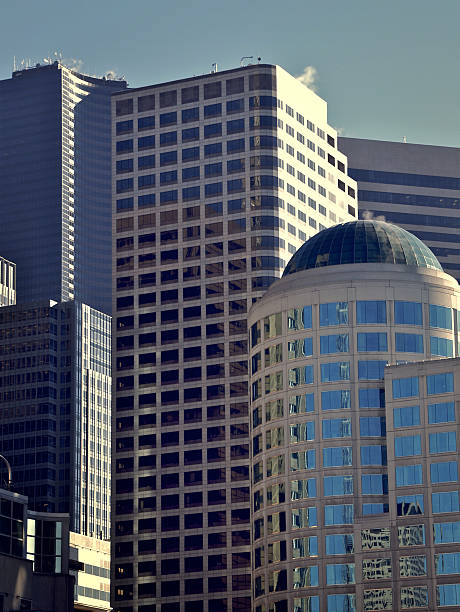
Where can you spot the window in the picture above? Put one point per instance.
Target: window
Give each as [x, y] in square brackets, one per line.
[336, 428]
[407, 475]
[446, 533]
[446, 471]
[305, 547]
[406, 416]
[371, 370]
[443, 347]
[446, 501]
[341, 573]
[441, 413]
[407, 446]
[448, 595]
[303, 489]
[337, 485]
[300, 376]
[335, 343]
[305, 460]
[411, 535]
[443, 442]
[300, 318]
[335, 400]
[405, 387]
[304, 577]
[300, 348]
[440, 316]
[372, 426]
[333, 313]
[372, 342]
[373, 455]
[341, 514]
[339, 544]
[336, 371]
[408, 313]
[371, 311]
[409, 343]
[374, 484]
[337, 456]
[299, 404]
[440, 383]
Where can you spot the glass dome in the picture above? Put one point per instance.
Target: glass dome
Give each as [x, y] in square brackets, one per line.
[362, 242]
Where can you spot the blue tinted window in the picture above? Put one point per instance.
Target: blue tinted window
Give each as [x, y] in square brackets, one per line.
[336, 428]
[145, 123]
[235, 126]
[373, 455]
[445, 533]
[335, 343]
[334, 313]
[447, 563]
[445, 471]
[441, 413]
[445, 501]
[372, 342]
[168, 177]
[339, 544]
[190, 134]
[407, 446]
[406, 416]
[440, 316]
[405, 387]
[369, 509]
[338, 370]
[235, 185]
[448, 594]
[146, 200]
[125, 185]
[190, 114]
[236, 206]
[190, 154]
[409, 343]
[372, 426]
[343, 602]
[125, 165]
[262, 102]
[404, 178]
[213, 169]
[267, 122]
[374, 484]
[146, 142]
[146, 180]
[341, 573]
[371, 370]
[336, 456]
[146, 161]
[407, 475]
[168, 118]
[300, 318]
[213, 189]
[371, 311]
[213, 130]
[168, 158]
[213, 149]
[168, 196]
[213, 110]
[443, 442]
[235, 106]
[191, 193]
[125, 204]
[168, 139]
[408, 505]
[264, 142]
[300, 376]
[125, 146]
[442, 347]
[440, 383]
[123, 127]
[190, 174]
[235, 165]
[304, 460]
[335, 400]
[337, 485]
[371, 398]
[408, 313]
[338, 515]
[235, 146]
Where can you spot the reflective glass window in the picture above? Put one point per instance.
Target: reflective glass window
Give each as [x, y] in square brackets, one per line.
[378, 599]
[335, 343]
[445, 471]
[409, 343]
[411, 535]
[376, 569]
[375, 539]
[372, 342]
[372, 426]
[343, 602]
[303, 347]
[407, 446]
[336, 371]
[299, 404]
[337, 485]
[445, 501]
[407, 475]
[304, 576]
[408, 313]
[300, 318]
[335, 400]
[340, 573]
[304, 517]
[408, 505]
[374, 484]
[440, 316]
[373, 455]
[371, 370]
[412, 566]
[305, 460]
[414, 597]
[448, 595]
[302, 432]
[272, 326]
[337, 456]
[443, 442]
[341, 514]
[442, 347]
[305, 604]
[300, 376]
[375, 508]
[336, 428]
[446, 533]
[440, 383]
[339, 544]
[273, 355]
[406, 416]
[304, 547]
[371, 398]
[303, 489]
[405, 387]
[333, 313]
[371, 311]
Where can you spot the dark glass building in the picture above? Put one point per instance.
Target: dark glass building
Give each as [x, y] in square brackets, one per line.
[55, 183]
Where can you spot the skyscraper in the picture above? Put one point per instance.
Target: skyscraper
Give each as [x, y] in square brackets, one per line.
[415, 186]
[55, 185]
[217, 180]
[355, 464]
[55, 408]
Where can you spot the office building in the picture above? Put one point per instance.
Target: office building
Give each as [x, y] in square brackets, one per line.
[55, 183]
[55, 408]
[415, 186]
[89, 560]
[355, 464]
[217, 180]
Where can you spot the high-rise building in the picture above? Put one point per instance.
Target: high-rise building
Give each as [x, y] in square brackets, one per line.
[55, 409]
[355, 464]
[218, 179]
[55, 183]
[415, 186]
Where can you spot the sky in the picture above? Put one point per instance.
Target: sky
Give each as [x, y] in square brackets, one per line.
[389, 69]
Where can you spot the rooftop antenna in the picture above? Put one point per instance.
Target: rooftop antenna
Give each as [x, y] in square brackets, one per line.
[404, 139]
[259, 60]
[214, 67]
[246, 57]
[14, 63]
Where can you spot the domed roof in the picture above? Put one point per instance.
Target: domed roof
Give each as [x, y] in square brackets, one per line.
[367, 241]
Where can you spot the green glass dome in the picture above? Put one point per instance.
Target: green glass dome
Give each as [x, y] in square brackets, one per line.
[362, 242]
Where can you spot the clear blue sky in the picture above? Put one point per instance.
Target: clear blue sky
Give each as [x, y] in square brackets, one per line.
[387, 68]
